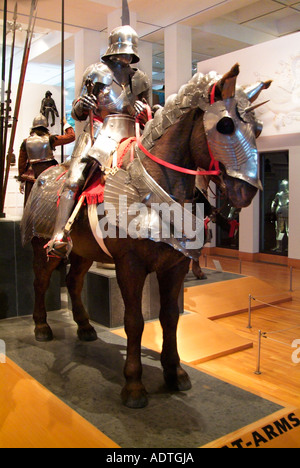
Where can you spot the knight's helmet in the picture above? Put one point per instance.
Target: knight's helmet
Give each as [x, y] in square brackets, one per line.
[123, 40]
[39, 121]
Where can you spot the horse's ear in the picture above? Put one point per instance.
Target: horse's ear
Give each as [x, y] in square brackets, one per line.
[227, 84]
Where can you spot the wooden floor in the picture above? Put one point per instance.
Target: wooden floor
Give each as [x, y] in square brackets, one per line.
[280, 377]
[24, 401]
[32, 417]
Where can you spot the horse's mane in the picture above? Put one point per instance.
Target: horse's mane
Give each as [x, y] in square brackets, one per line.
[193, 95]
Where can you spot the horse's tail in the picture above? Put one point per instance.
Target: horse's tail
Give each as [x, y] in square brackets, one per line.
[41, 207]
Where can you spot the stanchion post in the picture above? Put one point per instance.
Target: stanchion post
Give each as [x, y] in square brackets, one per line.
[258, 372]
[291, 279]
[249, 311]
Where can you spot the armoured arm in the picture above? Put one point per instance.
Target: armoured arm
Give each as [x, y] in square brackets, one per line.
[60, 140]
[54, 107]
[141, 88]
[23, 160]
[275, 204]
[43, 107]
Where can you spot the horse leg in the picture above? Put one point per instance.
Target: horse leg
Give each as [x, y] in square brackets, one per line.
[131, 279]
[197, 270]
[75, 280]
[43, 270]
[170, 283]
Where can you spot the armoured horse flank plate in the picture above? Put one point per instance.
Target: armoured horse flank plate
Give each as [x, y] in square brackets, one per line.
[140, 208]
[41, 207]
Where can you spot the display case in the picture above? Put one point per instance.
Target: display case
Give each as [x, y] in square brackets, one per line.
[274, 203]
[227, 232]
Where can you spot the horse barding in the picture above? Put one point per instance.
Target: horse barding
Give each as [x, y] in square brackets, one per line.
[208, 130]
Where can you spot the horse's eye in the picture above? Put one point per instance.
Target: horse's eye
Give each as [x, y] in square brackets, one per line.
[226, 126]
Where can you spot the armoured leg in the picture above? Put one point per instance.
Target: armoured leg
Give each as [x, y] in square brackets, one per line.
[53, 118]
[47, 116]
[280, 229]
[60, 245]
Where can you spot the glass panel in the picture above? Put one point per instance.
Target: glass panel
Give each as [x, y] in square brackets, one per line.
[227, 225]
[274, 205]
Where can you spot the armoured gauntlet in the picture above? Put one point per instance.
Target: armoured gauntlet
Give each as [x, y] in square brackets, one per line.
[84, 105]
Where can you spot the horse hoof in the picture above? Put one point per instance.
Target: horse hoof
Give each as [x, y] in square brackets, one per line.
[134, 399]
[179, 382]
[198, 273]
[43, 333]
[87, 334]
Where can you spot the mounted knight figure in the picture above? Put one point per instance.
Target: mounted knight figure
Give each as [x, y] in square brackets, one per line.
[209, 130]
[115, 94]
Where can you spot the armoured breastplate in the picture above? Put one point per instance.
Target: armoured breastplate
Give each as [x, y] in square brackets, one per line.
[120, 96]
[115, 128]
[38, 148]
[117, 100]
[283, 204]
[118, 127]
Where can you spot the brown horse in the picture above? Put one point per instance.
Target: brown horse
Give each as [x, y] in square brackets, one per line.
[185, 145]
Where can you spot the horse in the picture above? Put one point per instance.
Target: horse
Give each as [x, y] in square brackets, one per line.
[183, 144]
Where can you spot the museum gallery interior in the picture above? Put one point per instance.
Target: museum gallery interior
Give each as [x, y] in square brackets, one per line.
[149, 252]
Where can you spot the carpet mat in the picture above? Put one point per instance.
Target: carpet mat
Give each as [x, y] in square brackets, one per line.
[89, 377]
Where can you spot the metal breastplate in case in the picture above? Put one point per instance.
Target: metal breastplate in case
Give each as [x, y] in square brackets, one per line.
[38, 148]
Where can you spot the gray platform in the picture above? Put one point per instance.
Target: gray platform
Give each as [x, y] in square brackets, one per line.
[103, 300]
[89, 377]
[16, 275]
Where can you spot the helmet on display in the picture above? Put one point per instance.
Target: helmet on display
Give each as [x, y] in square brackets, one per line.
[123, 40]
[40, 121]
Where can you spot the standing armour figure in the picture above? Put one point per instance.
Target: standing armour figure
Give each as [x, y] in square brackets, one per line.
[37, 151]
[119, 95]
[49, 107]
[280, 207]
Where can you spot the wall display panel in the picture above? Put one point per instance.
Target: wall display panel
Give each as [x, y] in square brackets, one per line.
[274, 203]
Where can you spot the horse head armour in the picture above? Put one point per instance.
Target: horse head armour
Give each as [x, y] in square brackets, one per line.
[229, 120]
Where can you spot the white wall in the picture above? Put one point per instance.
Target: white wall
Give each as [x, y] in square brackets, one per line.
[278, 60]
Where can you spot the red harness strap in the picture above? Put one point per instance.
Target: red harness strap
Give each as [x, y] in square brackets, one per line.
[214, 163]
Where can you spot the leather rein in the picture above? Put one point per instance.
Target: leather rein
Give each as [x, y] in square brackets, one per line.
[214, 169]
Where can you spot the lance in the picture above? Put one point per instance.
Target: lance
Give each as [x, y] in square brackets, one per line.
[27, 46]
[2, 153]
[8, 92]
[90, 86]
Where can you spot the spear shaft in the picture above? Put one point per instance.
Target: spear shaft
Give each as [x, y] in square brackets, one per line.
[2, 153]
[27, 47]
[8, 92]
